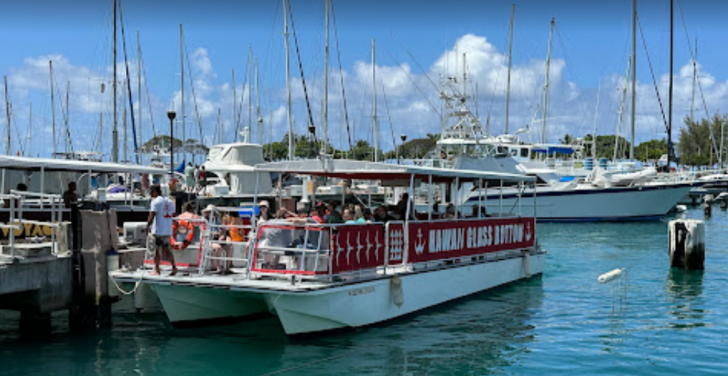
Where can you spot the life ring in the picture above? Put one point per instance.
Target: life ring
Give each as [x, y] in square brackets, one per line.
[188, 239]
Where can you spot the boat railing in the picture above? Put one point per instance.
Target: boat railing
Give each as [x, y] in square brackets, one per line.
[341, 252]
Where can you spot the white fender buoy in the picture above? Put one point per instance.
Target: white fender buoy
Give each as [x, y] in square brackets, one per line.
[611, 276]
[112, 265]
[395, 286]
[527, 264]
[681, 208]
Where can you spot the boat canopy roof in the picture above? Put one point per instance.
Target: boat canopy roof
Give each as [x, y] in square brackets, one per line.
[362, 170]
[35, 164]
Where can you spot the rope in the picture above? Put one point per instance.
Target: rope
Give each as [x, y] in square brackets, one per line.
[194, 95]
[341, 75]
[300, 67]
[389, 119]
[128, 86]
[654, 81]
[414, 84]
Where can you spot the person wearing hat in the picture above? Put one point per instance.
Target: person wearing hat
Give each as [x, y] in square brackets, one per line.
[264, 209]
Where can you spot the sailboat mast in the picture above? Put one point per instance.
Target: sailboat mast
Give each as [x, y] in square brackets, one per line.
[258, 117]
[374, 107]
[182, 90]
[139, 90]
[115, 130]
[546, 85]
[7, 112]
[325, 138]
[634, 77]
[288, 82]
[65, 120]
[596, 112]
[510, 56]
[235, 108]
[250, 94]
[53, 108]
[669, 113]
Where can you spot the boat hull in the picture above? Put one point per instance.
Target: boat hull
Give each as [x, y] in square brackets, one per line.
[610, 204]
[345, 306]
[188, 305]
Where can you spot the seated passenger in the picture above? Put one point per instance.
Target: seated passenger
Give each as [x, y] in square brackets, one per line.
[333, 216]
[359, 215]
[381, 215]
[349, 217]
[450, 212]
[318, 214]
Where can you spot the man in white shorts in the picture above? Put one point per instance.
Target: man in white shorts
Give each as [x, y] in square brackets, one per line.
[161, 213]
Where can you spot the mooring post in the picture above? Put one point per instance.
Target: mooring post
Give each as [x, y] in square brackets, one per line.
[687, 244]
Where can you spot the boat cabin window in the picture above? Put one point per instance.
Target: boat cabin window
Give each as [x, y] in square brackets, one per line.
[524, 153]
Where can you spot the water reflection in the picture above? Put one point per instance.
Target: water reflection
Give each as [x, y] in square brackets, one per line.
[685, 298]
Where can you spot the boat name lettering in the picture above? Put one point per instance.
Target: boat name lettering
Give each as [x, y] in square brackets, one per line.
[362, 291]
[451, 239]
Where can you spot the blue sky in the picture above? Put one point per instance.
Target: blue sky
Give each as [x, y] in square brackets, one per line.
[591, 46]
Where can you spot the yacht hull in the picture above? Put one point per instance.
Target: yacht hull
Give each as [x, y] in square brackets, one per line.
[608, 204]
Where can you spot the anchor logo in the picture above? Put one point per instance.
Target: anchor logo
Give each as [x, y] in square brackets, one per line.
[376, 248]
[420, 245]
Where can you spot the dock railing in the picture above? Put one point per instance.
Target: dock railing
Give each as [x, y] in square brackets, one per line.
[15, 200]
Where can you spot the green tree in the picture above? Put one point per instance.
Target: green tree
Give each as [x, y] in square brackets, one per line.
[696, 146]
[650, 150]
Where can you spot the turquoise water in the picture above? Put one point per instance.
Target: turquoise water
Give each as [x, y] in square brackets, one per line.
[671, 323]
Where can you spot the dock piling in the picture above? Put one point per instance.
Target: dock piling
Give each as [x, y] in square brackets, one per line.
[687, 244]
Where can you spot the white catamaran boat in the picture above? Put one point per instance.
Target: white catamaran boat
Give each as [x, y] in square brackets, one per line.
[316, 277]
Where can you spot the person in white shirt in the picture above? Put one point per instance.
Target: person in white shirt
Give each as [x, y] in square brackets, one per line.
[161, 213]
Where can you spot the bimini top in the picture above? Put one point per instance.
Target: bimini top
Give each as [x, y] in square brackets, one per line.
[47, 164]
[361, 170]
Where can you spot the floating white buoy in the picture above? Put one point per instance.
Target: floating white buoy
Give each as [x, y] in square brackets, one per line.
[611, 276]
[681, 208]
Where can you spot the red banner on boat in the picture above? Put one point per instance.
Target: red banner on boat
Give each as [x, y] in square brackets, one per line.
[447, 239]
[357, 247]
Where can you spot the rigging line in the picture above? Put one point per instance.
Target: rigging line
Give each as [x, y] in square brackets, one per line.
[65, 115]
[149, 99]
[652, 72]
[690, 48]
[414, 60]
[413, 83]
[341, 74]
[128, 85]
[194, 95]
[389, 119]
[300, 67]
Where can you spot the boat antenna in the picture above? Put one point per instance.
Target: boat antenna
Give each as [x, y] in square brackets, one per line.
[596, 112]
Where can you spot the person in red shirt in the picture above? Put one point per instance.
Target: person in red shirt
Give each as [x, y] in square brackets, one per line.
[319, 213]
